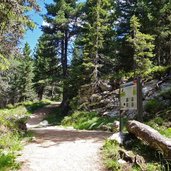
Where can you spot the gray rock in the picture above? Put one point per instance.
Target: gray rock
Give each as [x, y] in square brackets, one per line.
[105, 92]
[121, 161]
[44, 123]
[112, 113]
[165, 85]
[105, 87]
[116, 125]
[95, 98]
[130, 114]
[118, 137]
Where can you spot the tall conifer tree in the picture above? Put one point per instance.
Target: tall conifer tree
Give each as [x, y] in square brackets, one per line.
[25, 79]
[142, 45]
[46, 66]
[62, 17]
[97, 24]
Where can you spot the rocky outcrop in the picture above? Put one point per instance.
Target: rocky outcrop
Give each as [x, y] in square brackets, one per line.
[105, 100]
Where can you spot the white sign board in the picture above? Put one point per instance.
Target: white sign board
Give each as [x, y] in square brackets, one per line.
[128, 96]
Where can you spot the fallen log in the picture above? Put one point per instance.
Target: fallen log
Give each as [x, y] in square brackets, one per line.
[152, 137]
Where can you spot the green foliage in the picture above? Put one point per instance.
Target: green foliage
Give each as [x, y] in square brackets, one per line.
[25, 76]
[166, 132]
[161, 125]
[33, 106]
[153, 106]
[19, 78]
[9, 144]
[4, 63]
[46, 68]
[157, 72]
[14, 112]
[10, 139]
[98, 38]
[13, 24]
[166, 94]
[87, 120]
[7, 161]
[10, 134]
[62, 15]
[139, 148]
[111, 156]
[142, 45]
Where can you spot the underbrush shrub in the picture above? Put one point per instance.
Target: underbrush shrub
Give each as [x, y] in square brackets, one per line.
[32, 106]
[157, 72]
[153, 106]
[88, 120]
[7, 160]
[111, 155]
[166, 132]
[74, 103]
[10, 143]
[166, 94]
[12, 120]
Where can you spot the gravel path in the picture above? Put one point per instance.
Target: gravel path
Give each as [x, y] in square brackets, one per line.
[61, 149]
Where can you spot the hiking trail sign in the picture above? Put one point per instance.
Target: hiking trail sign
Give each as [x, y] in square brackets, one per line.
[128, 96]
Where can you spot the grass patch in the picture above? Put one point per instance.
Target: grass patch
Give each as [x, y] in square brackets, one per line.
[33, 106]
[11, 135]
[55, 118]
[7, 162]
[88, 120]
[10, 143]
[81, 120]
[111, 156]
[161, 121]
[161, 126]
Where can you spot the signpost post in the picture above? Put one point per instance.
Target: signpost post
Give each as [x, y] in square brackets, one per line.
[139, 100]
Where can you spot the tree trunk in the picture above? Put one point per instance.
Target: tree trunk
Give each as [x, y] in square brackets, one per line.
[40, 93]
[150, 136]
[64, 50]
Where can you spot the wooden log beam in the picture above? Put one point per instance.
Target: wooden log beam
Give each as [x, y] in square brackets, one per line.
[152, 137]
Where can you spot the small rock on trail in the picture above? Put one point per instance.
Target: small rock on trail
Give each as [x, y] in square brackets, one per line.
[61, 149]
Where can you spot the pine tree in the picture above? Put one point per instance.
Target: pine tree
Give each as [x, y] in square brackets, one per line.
[98, 25]
[154, 17]
[46, 66]
[158, 23]
[25, 79]
[14, 21]
[142, 45]
[62, 17]
[75, 73]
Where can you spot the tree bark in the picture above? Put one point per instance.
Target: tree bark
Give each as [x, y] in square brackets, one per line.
[150, 136]
[40, 93]
[64, 54]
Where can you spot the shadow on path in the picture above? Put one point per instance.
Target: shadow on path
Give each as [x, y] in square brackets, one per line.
[60, 135]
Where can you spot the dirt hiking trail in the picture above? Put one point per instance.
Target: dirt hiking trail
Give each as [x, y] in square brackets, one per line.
[61, 149]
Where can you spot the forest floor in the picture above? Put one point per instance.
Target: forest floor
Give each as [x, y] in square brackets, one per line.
[56, 148]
